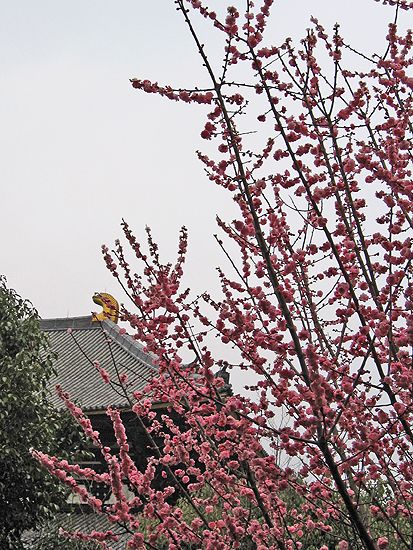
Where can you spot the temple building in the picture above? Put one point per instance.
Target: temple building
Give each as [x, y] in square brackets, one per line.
[92, 355]
[83, 347]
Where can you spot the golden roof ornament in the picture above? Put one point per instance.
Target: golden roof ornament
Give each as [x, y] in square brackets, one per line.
[110, 307]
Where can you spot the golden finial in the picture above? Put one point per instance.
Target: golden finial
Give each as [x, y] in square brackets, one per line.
[110, 307]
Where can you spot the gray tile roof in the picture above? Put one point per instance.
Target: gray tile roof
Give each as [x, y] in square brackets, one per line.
[92, 341]
[86, 523]
[83, 521]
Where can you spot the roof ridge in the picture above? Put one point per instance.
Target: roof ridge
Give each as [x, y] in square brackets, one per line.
[63, 323]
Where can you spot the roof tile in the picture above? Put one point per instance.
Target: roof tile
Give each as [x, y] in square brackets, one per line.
[85, 343]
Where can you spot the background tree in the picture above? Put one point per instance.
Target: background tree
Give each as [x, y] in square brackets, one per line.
[28, 495]
[314, 145]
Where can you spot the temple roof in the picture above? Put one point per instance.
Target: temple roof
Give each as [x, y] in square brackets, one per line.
[84, 521]
[78, 342]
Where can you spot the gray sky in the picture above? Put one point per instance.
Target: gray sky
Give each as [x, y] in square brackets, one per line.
[81, 149]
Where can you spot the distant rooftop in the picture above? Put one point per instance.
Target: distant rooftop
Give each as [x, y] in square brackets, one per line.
[84, 522]
[88, 341]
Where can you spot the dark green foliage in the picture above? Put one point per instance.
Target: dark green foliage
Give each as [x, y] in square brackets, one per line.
[28, 495]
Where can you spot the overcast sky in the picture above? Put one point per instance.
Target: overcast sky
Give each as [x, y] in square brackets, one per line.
[80, 149]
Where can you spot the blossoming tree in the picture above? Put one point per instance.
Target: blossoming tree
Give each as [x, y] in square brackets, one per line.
[318, 305]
